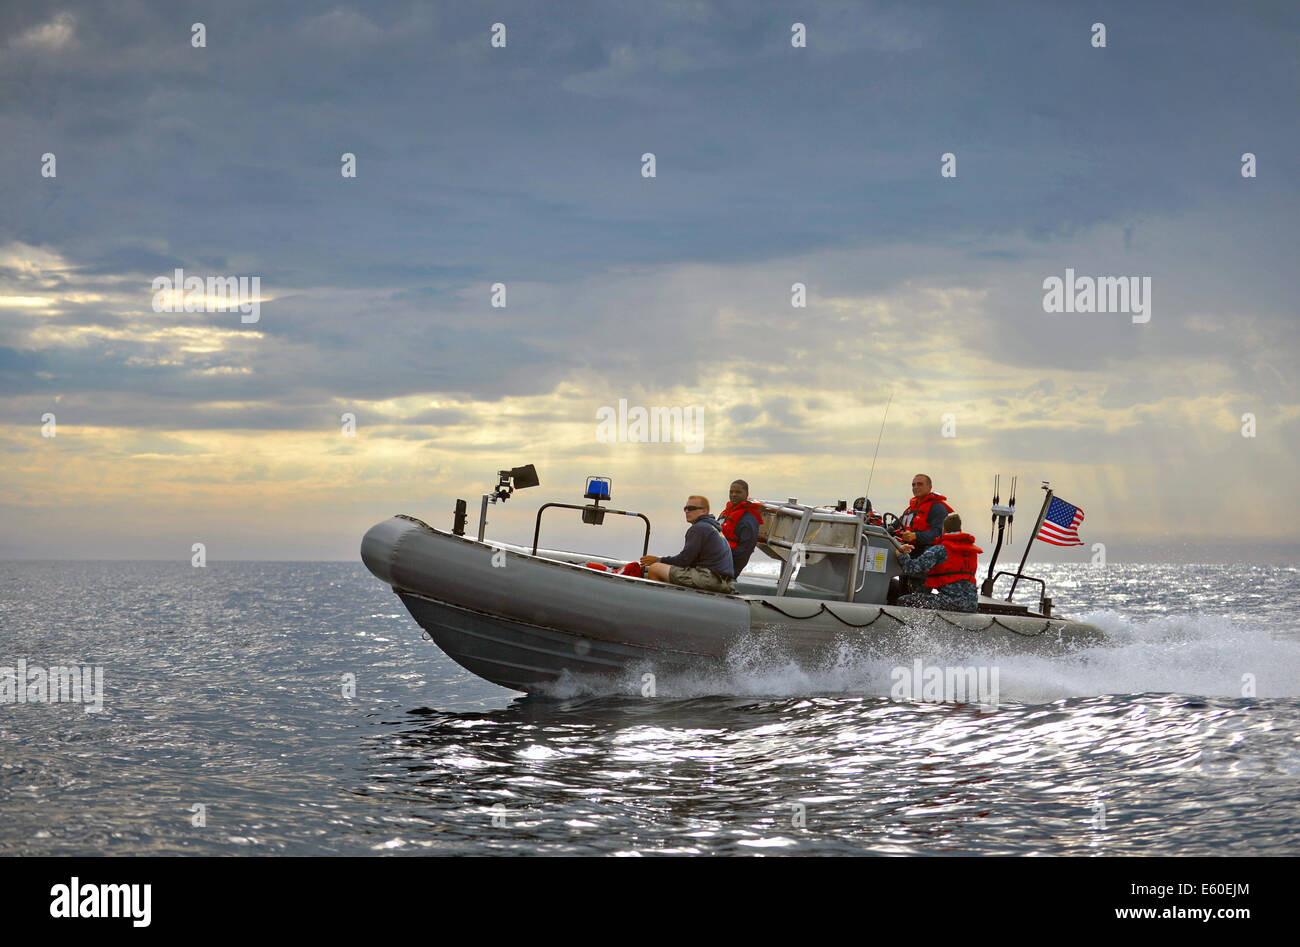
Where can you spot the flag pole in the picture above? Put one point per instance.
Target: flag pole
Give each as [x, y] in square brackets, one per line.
[1042, 514]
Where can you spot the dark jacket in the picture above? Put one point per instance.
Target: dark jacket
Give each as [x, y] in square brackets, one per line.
[746, 540]
[705, 547]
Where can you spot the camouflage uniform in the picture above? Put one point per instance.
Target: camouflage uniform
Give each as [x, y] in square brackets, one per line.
[954, 597]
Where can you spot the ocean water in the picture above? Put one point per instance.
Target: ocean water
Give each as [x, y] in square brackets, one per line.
[225, 729]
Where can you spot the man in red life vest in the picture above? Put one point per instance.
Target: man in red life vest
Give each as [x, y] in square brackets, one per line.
[948, 566]
[740, 522]
[922, 522]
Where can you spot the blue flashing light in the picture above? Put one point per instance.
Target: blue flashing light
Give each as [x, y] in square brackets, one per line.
[597, 488]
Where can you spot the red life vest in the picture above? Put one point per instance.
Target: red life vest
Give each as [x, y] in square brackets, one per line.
[732, 514]
[916, 518]
[961, 563]
[632, 569]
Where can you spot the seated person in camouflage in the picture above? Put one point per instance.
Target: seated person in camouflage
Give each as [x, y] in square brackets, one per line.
[705, 562]
[948, 566]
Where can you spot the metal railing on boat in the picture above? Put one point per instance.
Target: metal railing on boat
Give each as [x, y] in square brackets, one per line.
[799, 545]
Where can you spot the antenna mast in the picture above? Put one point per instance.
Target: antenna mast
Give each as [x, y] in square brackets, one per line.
[878, 437]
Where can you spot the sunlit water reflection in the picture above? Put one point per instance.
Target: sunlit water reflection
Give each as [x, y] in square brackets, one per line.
[225, 689]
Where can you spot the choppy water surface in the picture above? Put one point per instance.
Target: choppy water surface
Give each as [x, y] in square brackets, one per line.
[224, 689]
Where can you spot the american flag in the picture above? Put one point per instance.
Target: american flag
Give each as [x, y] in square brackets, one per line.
[1061, 525]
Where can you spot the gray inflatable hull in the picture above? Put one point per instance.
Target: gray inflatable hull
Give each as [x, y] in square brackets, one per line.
[528, 622]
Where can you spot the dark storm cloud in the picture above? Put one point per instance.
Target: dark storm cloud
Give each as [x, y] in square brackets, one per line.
[128, 259]
[522, 165]
[530, 153]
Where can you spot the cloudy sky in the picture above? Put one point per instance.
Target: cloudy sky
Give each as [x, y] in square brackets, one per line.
[522, 165]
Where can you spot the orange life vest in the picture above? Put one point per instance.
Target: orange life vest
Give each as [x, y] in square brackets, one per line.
[916, 518]
[961, 563]
[732, 515]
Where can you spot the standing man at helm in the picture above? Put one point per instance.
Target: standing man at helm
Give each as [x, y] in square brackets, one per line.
[921, 524]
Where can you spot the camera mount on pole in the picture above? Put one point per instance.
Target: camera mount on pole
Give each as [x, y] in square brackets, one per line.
[508, 481]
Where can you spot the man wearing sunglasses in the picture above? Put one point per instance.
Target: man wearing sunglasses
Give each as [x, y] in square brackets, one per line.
[704, 562]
